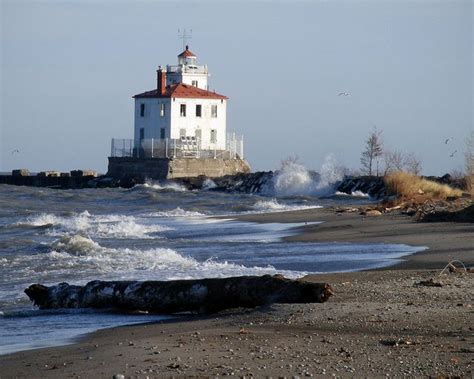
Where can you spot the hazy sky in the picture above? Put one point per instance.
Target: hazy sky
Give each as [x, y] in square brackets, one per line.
[70, 68]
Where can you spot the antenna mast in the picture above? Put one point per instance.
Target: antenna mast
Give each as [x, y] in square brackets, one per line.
[185, 35]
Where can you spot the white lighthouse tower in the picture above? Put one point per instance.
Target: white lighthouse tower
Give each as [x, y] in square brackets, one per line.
[181, 107]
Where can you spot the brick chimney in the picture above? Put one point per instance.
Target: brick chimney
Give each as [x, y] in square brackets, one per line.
[161, 80]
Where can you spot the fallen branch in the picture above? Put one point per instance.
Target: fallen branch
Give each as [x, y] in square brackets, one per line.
[203, 296]
[452, 268]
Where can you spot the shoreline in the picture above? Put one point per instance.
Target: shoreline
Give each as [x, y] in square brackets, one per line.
[223, 343]
[445, 241]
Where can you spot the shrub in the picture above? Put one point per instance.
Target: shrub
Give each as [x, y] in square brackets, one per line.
[408, 186]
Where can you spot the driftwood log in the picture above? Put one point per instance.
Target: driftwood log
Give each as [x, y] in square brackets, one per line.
[203, 296]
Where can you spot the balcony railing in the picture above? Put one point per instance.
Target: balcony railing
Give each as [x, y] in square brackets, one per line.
[184, 147]
[187, 69]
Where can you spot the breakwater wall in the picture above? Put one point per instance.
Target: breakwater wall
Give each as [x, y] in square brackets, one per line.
[261, 182]
[60, 182]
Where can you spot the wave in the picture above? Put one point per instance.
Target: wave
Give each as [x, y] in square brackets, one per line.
[353, 194]
[102, 226]
[269, 206]
[84, 258]
[208, 184]
[177, 212]
[75, 245]
[162, 186]
[293, 179]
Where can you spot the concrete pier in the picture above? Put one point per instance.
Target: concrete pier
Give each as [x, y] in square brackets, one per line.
[174, 168]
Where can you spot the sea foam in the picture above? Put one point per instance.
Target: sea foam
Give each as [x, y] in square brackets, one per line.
[102, 226]
[353, 194]
[272, 205]
[85, 258]
[177, 212]
[162, 186]
[293, 179]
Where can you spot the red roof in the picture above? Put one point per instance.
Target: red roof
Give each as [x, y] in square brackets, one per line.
[182, 91]
[187, 53]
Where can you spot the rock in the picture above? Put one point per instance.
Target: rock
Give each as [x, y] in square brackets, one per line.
[78, 173]
[21, 172]
[429, 283]
[374, 186]
[373, 212]
[49, 174]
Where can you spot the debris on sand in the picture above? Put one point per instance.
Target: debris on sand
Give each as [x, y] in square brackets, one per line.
[429, 283]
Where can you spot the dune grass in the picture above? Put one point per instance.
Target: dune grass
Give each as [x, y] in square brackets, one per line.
[411, 187]
[470, 184]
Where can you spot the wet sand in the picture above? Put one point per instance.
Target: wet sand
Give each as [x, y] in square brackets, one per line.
[378, 323]
[445, 240]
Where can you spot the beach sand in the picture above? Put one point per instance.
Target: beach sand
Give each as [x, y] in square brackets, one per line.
[378, 323]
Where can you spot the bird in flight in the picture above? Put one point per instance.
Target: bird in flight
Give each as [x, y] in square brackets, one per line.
[343, 94]
[15, 151]
[446, 141]
[454, 152]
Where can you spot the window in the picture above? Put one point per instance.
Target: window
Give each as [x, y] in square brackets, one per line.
[162, 110]
[182, 110]
[162, 133]
[198, 110]
[214, 111]
[197, 135]
[195, 83]
[142, 110]
[213, 135]
[142, 133]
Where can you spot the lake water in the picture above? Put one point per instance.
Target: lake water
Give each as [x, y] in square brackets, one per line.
[154, 231]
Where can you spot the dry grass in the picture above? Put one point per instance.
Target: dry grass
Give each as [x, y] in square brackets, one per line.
[470, 184]
[410, 187]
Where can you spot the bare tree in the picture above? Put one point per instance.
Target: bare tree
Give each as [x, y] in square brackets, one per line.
[469, 154]
[373, 151]
[412, 164]
[393, 161]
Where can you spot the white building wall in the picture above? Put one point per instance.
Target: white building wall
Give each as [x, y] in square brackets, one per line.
[206, 123]
[152, 121]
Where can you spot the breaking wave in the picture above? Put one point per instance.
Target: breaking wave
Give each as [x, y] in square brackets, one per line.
[208, 184]
[293, 179]
[177, 212]
[269, 206]
[353, 194]
[84, 258]
[162, 186]
[102, 226]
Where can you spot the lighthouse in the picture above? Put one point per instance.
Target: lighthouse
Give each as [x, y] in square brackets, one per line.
[180, 128]
[182, 107]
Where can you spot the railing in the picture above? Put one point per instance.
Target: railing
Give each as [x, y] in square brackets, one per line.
[185, 147]
[187, 69]
[121, 147]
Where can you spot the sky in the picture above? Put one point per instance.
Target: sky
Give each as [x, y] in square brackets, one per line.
[69, 70]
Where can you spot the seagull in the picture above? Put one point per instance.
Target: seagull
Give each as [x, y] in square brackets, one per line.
[343, 94]
[454, 152]
[446, 141]
[15, 151]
